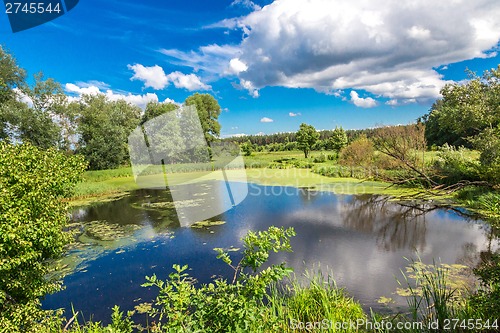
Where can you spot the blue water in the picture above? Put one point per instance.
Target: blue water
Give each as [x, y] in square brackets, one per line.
[362, 240]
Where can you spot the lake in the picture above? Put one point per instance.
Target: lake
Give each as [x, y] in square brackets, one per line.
[362, 240]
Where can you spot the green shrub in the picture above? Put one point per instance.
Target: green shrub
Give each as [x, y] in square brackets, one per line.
[32, 218]
[487, 300]
[235, 305]
[321, 158]
[454, 165]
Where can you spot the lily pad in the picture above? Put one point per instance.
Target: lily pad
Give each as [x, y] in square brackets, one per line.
[105, 231]
[206, 223]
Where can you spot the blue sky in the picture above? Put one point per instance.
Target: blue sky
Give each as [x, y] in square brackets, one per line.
[271, 65]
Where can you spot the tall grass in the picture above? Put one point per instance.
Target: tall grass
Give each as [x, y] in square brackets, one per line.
[436, 294]
[317, 301]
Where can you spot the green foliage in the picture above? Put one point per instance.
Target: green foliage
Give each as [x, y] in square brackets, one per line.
[436, 293]
[208, 110]
[104, 127]
[155, 109]
[36, 122]
[287, 163]
[487, 299]
[120, 323]
[316, 301]
[484, 200]
[338, 140]
[466, 111]
[247, 148]
[357, 153]
[306, 138]
[223, 306]
[454, 164]
[32, 218]
[438, 129]
[11, 76]
[321, 158]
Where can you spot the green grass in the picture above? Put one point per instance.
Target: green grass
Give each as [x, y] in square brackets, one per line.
[318, 301]
[100, 185]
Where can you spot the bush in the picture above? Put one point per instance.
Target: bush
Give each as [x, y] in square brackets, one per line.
[320, 159]
[32, 219]
[358, 153]
[236, 305]
[487, 299]
[454, 165]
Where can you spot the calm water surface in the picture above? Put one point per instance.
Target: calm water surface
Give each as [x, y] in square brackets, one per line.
[363, 240]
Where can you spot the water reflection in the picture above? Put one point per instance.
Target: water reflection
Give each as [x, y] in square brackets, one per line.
[362, 239]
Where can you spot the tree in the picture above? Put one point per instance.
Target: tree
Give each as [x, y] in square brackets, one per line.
[465, 110]
[38, 123]
[208, 111]
[11, 78]
[306, 138]
[104, 127]
[338, 140]
[155, 109]
[407, 145]
[358, 153]
[247, 148]
[33, 182]
[35, 114]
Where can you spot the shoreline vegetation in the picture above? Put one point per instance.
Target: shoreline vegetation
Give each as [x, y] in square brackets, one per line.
[261, 168]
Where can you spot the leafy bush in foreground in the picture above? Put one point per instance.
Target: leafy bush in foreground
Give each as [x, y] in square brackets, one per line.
[32, 218]
[223, 306]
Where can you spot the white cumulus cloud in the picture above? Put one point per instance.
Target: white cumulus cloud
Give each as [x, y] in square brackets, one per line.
[266, 120]
[236, 66]
[367, 102]
[291, 114]
[77, 90]
[389, 51]
[156, 78]
[190, 82]
[153, 76]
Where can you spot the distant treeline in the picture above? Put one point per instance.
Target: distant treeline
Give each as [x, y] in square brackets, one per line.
[290, 137]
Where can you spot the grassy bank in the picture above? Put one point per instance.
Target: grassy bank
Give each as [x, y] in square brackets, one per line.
[288, 168]
[105, 184]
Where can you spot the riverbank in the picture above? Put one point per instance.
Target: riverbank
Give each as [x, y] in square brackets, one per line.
[108, 185]
[105, 185]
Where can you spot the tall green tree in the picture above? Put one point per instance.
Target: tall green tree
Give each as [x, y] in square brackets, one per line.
[164, 131]
[11, 78]
[34, 113]
[466, 110]
[208, 111]
[38, 123]
[338, 140]
[306, 138]
[103, 128]
[32, 219]
[155, 109]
